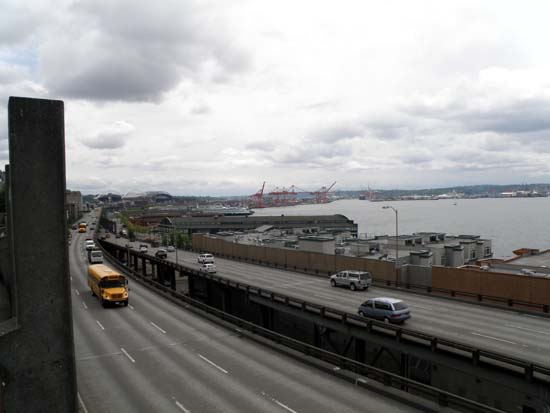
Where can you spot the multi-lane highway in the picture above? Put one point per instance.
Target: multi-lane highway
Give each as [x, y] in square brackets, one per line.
[513, 333]
[155, 356]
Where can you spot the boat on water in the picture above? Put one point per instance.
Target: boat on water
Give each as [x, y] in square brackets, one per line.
[220, 210]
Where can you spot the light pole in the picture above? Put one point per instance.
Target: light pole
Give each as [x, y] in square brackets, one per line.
[396, 240]
[175, 242]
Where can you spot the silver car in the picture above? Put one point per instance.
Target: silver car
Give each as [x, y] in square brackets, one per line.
[353, 279]
[389, 310]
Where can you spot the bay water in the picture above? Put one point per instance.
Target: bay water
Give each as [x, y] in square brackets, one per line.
[510, 223]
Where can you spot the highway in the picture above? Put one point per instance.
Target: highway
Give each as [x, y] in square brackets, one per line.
[156, 356]
[513, 333]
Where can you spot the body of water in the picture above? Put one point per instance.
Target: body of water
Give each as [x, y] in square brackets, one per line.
[510, 223]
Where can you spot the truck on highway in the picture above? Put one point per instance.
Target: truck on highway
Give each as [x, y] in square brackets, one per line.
[110, 287]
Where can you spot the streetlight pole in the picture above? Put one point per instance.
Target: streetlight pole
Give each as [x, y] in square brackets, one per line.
[175, 242]
[396, 241]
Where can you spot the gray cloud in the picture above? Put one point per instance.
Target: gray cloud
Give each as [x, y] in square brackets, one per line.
[132, 51]
[201, 110]
[475, 111]
[336, 133]
[261, 146]
[112, 137]
[18, 21]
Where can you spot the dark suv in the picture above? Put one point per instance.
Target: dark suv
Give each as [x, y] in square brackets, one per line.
[161, 253]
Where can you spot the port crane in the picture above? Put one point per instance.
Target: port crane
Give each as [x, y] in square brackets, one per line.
[257, 199]
[321, 195]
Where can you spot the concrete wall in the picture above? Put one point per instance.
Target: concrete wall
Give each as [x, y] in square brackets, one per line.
[467, 280]
[416, 275]
[509, 286]
[303, 261]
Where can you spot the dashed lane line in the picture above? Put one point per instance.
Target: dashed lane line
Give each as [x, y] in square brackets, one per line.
[128, 355]
[494, 338]
[158, 328]
[278, 403]
[82, 403]
[180, 406]
[213, 364]
[100, 325]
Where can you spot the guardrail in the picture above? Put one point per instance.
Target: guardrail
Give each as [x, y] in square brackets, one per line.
[443, 398]
[477, 355]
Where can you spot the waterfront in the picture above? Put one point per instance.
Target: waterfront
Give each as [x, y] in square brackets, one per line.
[511, 223]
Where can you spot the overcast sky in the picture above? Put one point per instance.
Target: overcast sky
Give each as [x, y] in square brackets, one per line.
[215, 97]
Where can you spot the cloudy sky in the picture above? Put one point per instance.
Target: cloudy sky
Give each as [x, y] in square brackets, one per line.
[215, 97]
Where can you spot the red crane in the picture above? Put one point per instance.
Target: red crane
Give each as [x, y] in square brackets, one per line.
[257, 200]
[321, 195]
[283, 196]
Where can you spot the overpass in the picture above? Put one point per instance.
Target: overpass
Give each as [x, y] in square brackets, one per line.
[466, 349]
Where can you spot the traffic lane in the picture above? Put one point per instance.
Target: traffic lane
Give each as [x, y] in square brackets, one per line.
[280, 280]
[522, 336]
[104, 379]
[248, 396]
[281, 376]
[102, 365]
[463, 324]
[483, 327]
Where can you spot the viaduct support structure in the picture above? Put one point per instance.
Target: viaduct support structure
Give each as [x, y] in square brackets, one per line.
[37, 364]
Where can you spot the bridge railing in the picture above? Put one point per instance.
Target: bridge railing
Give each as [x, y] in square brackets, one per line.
[442, 397]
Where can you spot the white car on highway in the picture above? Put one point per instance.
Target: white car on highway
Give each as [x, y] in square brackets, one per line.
[210, 268]
[206, 259]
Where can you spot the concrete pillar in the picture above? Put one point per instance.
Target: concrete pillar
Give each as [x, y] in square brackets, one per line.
[173, 279]
[39, 355]
[143, 267]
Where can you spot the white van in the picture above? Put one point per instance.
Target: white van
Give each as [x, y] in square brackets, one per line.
[90, 244]
[206, 259]
[95, 257]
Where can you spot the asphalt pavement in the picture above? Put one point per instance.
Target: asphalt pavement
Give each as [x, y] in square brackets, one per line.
[516, 334]
[155, 356]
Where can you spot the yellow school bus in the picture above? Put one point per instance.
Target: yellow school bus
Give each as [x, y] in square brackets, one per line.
[82, 227]
[109, 286]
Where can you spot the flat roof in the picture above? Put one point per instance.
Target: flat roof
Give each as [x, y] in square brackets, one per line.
[539, 260]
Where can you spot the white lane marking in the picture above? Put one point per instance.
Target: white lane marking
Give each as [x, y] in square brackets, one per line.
[158, 328]
[278, 403]
[127, 355]
[529, 329]
[76, 291]
[323, 296]
[84, 305]
[213, 364]
[493, 338]
[100, 325]
[131, 306]
[82, 403]
[181, 407]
